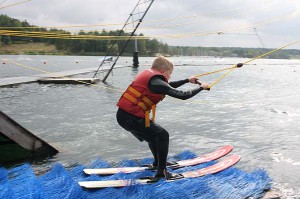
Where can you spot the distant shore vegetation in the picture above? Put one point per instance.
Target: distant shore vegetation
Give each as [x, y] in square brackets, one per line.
[43, 43]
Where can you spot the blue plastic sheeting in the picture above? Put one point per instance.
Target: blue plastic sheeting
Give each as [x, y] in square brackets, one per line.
[61, 183]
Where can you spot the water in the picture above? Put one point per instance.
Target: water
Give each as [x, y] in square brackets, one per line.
[255, 108]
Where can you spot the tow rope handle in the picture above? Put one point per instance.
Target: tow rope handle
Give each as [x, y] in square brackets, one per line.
[200, 83]
[239, 65]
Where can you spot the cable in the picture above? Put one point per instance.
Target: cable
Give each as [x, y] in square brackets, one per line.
[14, 4]
[255, 58]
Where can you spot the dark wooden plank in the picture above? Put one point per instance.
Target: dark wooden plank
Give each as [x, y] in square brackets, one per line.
[68, 80]
[15, 132]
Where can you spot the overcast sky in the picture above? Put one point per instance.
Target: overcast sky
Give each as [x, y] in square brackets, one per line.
[229, 23]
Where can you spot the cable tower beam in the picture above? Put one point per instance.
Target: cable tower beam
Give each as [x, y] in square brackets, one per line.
[134, 20]
[259, 38]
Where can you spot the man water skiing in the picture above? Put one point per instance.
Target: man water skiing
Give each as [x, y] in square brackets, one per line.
[148, 89]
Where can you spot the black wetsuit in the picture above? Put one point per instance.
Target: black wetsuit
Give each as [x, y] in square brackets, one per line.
[156, 136]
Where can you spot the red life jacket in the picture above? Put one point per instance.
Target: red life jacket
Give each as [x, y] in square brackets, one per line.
[138, 99]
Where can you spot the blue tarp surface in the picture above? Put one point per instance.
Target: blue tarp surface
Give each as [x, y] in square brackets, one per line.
[61, 183]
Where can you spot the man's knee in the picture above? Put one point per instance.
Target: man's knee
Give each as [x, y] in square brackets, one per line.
[163, 135]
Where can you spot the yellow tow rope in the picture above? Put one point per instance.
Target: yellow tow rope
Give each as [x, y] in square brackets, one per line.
[14, 4]
[230, 69]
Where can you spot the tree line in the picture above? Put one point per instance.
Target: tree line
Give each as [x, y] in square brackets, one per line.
[80, 46]
[146, 47]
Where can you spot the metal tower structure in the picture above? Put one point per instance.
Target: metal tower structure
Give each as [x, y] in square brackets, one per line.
[133, 22]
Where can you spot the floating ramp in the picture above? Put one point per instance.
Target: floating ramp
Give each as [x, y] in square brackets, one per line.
[60, 182]
[55, 77]
[17, 143]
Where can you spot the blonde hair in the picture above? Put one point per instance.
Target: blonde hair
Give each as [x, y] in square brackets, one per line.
[162, 63]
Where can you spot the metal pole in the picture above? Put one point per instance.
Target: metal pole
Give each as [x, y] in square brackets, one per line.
[111, 47]
[135, 55]
[132, 34]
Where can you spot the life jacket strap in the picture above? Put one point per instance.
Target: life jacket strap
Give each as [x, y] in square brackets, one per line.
[153, 108]
[135, 101]
[147, 119]
[144, 102]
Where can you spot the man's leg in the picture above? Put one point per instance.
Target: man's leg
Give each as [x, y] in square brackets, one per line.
[153, 149]
[162, 148]
[161, 142]
[158, 141]
[156, 136]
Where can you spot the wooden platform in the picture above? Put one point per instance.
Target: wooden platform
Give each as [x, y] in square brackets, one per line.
[17, 143]
[11, 81]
